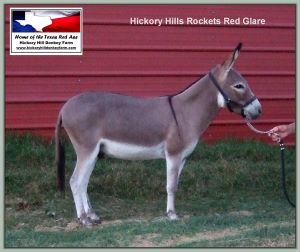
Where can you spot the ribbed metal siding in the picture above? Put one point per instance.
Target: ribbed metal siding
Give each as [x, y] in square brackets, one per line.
[151, 60]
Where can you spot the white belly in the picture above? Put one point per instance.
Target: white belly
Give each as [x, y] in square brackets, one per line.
[131, 151]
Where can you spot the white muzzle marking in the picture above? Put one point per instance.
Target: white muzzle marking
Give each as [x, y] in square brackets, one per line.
[252, 110]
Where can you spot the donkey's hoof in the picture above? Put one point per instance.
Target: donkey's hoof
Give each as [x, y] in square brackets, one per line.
[96, 221]
[86, 221]
[172, 215]
[94, 218]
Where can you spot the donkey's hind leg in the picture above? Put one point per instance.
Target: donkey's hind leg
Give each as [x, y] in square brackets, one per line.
[79, 182]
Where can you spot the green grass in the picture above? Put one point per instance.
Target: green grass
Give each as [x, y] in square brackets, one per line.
[229, 196]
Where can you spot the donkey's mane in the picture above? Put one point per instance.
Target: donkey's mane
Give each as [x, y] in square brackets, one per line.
[186, 88]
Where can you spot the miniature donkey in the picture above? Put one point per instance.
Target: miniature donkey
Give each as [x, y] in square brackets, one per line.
[132, 128]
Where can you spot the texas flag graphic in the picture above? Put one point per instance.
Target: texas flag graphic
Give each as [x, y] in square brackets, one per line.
[54, 20]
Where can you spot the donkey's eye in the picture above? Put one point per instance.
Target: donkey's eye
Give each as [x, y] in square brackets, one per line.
[239, 86]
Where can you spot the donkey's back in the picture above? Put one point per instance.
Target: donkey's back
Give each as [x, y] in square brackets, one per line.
[90, 116]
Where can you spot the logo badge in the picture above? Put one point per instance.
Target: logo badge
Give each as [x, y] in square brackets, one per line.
[46, 31]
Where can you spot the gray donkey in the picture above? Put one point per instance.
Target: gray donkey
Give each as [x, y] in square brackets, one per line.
[133, 128]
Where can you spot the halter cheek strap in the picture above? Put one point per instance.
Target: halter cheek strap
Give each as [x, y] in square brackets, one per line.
[228, 101]
[226, 98]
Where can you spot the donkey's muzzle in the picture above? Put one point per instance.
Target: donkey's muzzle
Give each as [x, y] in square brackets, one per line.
[252, 109]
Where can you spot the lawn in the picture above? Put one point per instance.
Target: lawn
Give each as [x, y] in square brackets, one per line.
[229, 196]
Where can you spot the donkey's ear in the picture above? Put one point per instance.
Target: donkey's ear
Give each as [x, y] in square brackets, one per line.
[227, 65]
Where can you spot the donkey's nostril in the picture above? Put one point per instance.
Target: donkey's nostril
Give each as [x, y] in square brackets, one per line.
[259, 111]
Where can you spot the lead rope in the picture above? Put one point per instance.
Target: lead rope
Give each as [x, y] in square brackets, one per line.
[280, 142]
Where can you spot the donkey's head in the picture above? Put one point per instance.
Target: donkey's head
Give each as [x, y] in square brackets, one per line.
[234, 91]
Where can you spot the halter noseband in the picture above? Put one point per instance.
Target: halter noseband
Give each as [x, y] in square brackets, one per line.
[228, 101]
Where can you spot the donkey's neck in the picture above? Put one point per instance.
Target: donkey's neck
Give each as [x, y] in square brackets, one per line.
[197, 105]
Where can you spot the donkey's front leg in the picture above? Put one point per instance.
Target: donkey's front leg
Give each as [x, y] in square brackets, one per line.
[174, 167]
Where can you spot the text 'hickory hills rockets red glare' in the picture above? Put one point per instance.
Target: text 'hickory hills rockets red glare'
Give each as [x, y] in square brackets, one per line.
[196, 21]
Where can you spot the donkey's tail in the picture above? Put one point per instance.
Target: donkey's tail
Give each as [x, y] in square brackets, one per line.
[59, 155]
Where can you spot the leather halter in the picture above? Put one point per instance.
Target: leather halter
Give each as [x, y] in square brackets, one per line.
[228, 101]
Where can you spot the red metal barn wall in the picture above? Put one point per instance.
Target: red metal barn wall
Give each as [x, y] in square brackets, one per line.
[152, 60]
